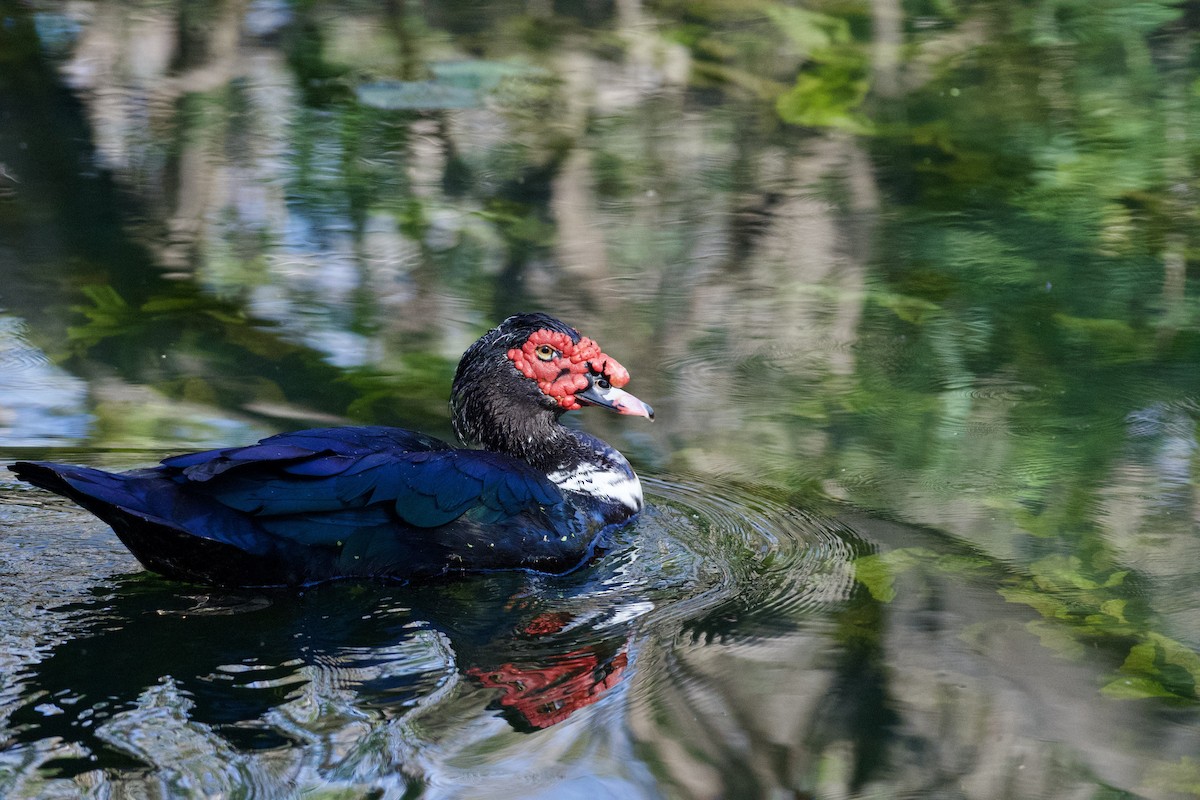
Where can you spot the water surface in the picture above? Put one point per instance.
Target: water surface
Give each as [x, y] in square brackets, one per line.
[911, 288]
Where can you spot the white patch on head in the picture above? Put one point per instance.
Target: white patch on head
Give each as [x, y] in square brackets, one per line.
[606, 484]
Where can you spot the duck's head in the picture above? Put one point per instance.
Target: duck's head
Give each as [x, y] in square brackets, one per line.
[533, 367]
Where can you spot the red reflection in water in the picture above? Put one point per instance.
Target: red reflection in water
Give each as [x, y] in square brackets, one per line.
[547, 691]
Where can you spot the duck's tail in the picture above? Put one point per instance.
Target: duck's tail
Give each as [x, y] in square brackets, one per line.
[95, 490]
[165, 528]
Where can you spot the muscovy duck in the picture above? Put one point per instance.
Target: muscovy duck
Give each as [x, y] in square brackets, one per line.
[303, 507]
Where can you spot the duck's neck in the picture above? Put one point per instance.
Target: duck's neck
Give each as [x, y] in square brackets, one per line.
[537, 439]
[577, 462]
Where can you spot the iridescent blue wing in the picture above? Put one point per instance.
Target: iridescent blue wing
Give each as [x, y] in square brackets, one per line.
[364, 475]
[316, 452]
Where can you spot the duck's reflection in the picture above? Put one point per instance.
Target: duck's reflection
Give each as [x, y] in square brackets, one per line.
[241, 664]
[543, 691]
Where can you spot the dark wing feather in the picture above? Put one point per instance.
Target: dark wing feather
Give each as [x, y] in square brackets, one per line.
[356, 471]
[302, 447]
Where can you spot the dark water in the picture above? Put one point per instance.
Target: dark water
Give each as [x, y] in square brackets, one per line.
[911, 286]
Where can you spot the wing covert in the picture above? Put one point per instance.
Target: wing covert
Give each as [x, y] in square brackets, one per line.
[332, 471]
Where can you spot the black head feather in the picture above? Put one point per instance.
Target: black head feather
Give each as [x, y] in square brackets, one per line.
[514, 331]
[492, 404]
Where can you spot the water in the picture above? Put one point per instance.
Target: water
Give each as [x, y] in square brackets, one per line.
[360, 685]
[907, 286]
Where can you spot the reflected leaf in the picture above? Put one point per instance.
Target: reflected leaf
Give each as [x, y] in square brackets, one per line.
[1045, 604]
[1055, 573]
[1138, 688]
[108, 315]
[1114, 340]
[826, 98]
[828, 94]
[1116, 579]
[878, 571]
[810, 30]
[1115, 609]
[1177, 654]
[906, 307]
[1182, 776]
[876, 574]
[1157, 667]
[1056, 638]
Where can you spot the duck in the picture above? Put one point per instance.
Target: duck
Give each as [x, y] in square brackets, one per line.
[523, 492]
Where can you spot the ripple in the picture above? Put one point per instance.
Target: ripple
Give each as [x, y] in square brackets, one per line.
[712, 560]
[17, 356]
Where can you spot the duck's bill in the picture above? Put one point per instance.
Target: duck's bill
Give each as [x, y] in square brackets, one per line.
[616, 399]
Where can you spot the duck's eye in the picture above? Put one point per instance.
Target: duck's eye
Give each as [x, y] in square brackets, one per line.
[603, 383]
[544, 352]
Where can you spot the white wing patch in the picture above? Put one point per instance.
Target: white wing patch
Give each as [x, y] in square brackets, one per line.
[598, 482]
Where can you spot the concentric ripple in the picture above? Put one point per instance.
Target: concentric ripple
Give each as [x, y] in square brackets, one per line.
[722, 563]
